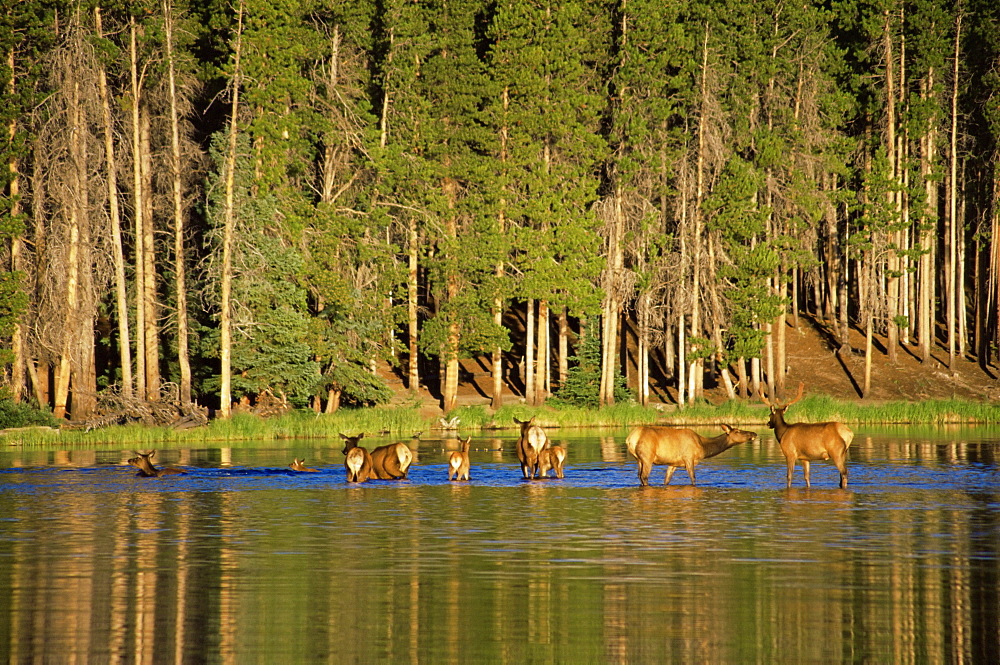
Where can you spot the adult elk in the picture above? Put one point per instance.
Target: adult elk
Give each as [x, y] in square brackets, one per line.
[146, 468]
[300, 465]
[809, 442]
[551, 458]
[677, 447]
[358, 462]
[532, 441]
[388, 462]
[458, 462]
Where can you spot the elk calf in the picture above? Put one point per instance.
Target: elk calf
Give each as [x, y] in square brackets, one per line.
[146, 468]
[300, 465]
[677, 447]
[357, 462]
[809, 442]
[551, 458]
[532, 441]
[458, 462]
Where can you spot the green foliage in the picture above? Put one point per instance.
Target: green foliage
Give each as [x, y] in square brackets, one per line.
[18, 414]
[583, 380]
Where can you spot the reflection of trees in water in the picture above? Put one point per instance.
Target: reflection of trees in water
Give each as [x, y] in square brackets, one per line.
[405, 572]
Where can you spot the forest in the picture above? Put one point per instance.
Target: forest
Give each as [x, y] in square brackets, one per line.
[218, 201]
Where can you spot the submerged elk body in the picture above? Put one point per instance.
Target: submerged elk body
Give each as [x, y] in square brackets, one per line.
[679, 447]
[531, 443]
[300, 465]
[146, 468]
[809, 442]
[551, 458]
[458, 462]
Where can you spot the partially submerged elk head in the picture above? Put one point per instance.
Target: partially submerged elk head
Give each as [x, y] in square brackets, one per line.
[146, 468]
[300, 465]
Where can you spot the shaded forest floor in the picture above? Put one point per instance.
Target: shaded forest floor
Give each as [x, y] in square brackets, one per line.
[812, 358]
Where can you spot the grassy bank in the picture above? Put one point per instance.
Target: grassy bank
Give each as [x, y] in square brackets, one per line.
[403, 422]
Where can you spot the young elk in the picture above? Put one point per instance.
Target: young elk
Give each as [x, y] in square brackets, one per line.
[458, 462]
[357, 462]
[300, 465]
[533, 440]
[551, 458]
[146, 468]
[808, 442]
[678, 447]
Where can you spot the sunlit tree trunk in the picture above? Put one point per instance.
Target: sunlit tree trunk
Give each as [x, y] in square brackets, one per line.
[180, 279]
[139, 209]
[229, 229]
[114, 211]
[953, 222]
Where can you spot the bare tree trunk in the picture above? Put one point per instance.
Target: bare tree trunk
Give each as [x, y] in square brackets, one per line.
[542, 383]
[229, 229]
[953, 201]
[180, 281]
[149, 299]
[892, 290]
[413, 323]
[563, 325]
[114, 210]
[18, 362]
[529, 352]
[138, 211]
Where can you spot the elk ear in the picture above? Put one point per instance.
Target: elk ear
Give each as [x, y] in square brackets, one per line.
[726, 428]
[344, 436]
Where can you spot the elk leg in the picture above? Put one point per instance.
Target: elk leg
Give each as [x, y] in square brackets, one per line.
[805, 470]
[669, 475]
[690, 469]
[842, 467]
[644, 473]
[790, 461]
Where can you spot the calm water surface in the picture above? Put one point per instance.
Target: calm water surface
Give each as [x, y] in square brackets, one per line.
[243, 561]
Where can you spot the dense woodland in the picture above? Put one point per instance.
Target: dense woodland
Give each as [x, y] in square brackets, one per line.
[220, 200]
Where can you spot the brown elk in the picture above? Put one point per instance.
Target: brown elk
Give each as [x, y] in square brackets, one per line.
[388, 462]
[809, 442]
[146, 468]
[458, 462]
[677, 447]
[300, 465]
[532, 441]
[358, 462]
[551, 458]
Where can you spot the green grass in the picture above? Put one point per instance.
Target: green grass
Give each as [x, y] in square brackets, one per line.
[402, 422]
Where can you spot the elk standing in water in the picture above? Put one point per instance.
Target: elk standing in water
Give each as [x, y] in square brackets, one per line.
[358, 461]
[809, 442]
[679, 447]
[551, 458]
[388, 462]
[458, 462]
[300, 465]
[533, 440]
[146, 468]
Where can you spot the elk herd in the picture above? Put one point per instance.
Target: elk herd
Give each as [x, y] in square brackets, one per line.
[674, 447]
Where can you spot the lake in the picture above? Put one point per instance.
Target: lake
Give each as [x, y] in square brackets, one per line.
[242, 560]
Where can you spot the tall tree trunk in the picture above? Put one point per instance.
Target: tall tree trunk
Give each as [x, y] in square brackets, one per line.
[542, 383]
[529, 352]
[114, 211]
[19, 361]
[139, 209]
[953, 223]
[149, 281]
[229, 229]
[180, 279]
[892, 290]
[412, 318]
[563, 326]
